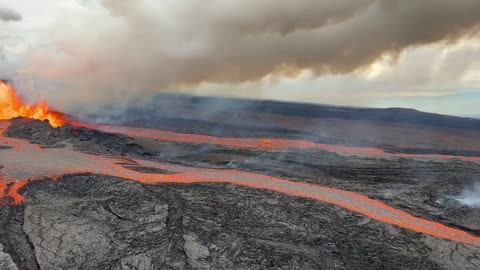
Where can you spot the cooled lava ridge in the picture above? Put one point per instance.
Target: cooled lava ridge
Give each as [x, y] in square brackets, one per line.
[25, 162]
[262, 144]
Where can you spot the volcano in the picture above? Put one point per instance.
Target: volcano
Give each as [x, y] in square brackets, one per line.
[180, 184]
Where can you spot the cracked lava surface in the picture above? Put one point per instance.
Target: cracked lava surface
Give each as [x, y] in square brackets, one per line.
[24, 162]
[262, 144]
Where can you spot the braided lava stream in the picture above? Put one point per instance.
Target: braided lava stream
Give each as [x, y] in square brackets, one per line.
[24, 162]
[261, 144]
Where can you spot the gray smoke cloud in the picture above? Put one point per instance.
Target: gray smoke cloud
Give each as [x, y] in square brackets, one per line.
[134, 47]
[7, 14]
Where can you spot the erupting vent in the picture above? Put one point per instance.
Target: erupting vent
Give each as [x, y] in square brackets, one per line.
[11, 106]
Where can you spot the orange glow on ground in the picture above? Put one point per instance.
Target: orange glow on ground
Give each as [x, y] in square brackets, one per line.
[24, 163]
[11, 106]
[21, 162]
[261, 144]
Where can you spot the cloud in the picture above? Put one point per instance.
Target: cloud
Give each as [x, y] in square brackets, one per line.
[139, 46]
[7, 14]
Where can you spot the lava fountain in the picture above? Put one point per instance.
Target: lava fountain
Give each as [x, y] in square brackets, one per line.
[11, 106]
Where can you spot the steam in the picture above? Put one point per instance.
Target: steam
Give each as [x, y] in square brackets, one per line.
[132, 47]
[7, 14]
[470, 196]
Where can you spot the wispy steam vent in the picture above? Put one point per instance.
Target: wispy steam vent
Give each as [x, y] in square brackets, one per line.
[470, 196]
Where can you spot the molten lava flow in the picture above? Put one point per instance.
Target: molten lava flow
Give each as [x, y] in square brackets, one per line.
[24, 162]
[21, 162]
[262, 144]
[11, 106]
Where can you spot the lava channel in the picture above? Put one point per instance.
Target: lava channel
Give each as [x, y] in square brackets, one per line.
[261, 144]
[25, 162]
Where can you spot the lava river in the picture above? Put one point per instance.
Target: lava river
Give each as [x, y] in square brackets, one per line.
[24, 162]
[261, 144]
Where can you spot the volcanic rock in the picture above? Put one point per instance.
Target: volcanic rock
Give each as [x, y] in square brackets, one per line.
[6, 261]
[99, 222]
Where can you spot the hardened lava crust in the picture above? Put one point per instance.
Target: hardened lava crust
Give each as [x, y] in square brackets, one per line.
[99, 221]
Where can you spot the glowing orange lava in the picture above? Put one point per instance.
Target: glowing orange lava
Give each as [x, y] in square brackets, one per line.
[263, 144]
[11, 106]
[21, 162]
[24, 162]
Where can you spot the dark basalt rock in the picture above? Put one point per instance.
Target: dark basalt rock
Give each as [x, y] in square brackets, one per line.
[88, 140]
[99, 222]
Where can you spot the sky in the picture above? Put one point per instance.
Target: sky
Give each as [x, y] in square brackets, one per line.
[371, 53]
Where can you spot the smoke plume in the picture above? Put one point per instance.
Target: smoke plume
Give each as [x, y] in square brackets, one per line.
[7, 14]
[470, 196]
[121, 48]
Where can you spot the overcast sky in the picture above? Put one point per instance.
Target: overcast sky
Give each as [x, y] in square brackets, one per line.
[383, 53]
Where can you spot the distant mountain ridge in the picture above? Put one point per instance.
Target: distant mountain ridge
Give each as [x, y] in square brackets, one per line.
[396, 115]
[476, 116]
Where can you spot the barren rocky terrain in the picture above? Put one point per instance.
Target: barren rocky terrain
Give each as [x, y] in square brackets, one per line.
[89, 221]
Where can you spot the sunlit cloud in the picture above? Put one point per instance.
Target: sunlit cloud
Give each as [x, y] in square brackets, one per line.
[62, 45]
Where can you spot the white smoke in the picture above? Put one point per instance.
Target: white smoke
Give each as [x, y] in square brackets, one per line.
[470, 196]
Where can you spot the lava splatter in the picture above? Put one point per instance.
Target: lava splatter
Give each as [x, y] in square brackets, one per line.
[11, 106]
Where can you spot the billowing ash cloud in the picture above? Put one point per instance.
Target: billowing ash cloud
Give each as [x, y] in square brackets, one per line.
[7, 14]
[158, 45]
